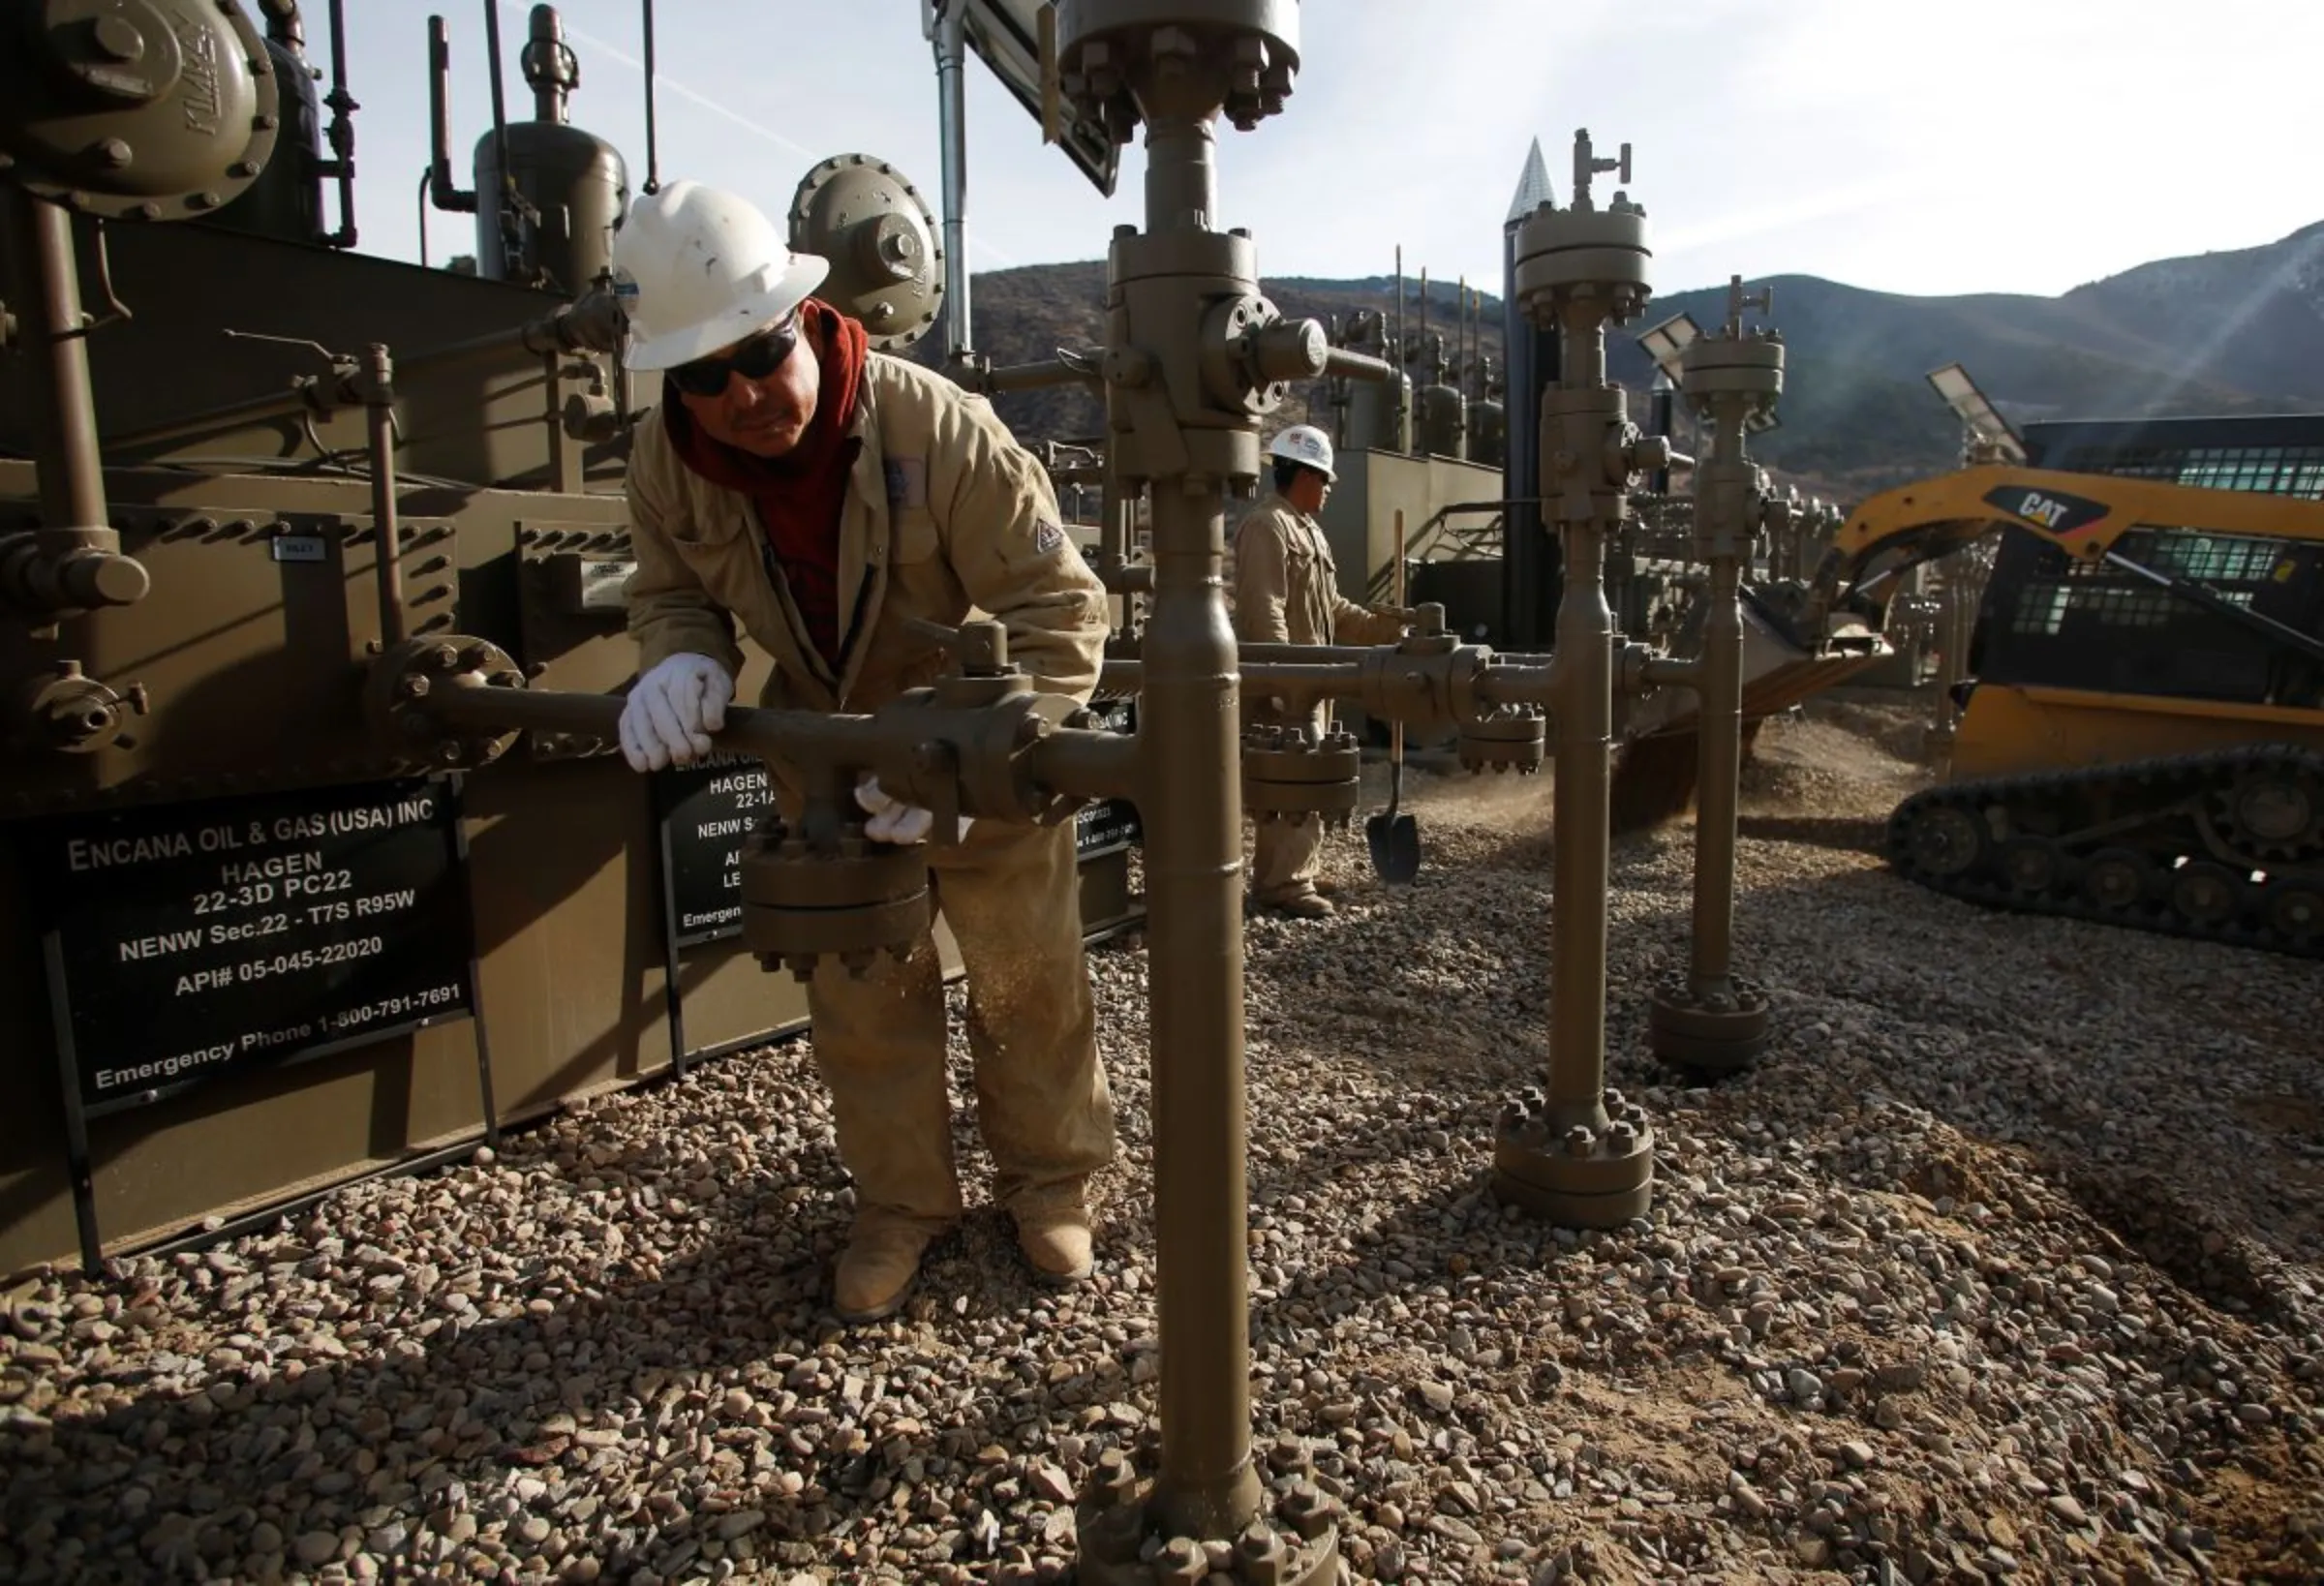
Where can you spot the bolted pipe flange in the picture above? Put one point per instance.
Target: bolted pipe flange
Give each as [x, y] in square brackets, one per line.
[1120, 62]
[1511, 739]
[1751, 365]
[987, 729]
[1708, 1031]
[1575, 1174]
[1598, 251]
[1286, 775]
[1249, 351]
[409, 674]
[1293, 1541]
[854, 899]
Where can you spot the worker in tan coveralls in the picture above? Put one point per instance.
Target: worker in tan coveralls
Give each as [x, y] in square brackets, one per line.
[824, 495]
[1287, 592]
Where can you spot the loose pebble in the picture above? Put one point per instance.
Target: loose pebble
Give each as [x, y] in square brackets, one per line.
[2002, 1262]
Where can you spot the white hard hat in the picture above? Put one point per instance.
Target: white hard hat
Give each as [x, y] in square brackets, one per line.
[695, 268]
[1305, 445]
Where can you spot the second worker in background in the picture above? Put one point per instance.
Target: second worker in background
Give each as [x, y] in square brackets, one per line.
[827, 496]
[1287, 592]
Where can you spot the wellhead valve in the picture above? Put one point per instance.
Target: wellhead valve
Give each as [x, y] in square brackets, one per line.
[840, 893]
[1288, 775]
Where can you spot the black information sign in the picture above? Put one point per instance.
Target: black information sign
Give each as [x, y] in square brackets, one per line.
[707, 809]
[203, 940]
[1104, 828]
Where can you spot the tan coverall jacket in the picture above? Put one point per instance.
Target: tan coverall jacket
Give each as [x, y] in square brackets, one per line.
[1287, 592]
[944, 511]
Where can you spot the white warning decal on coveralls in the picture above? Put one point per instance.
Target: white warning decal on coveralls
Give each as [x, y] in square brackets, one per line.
[1047, 539]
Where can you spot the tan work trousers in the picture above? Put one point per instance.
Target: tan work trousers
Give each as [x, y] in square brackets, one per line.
[1011, 894]
[1286, 854]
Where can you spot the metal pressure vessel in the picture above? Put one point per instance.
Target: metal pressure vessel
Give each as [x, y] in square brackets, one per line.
[1488, 434]
[574, 181]
[580, 186]
[1380, 415]
[1442, 423]
[286, 202]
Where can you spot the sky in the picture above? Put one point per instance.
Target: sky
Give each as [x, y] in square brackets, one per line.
[1915, 146]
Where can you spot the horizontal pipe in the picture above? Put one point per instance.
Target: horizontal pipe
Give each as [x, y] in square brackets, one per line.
[1034, 377]
[1087, 765]
[1125, 579]
[1519, 686]
[1670, 672]
[1357, 366]
[1334, 672]
[1070, 761]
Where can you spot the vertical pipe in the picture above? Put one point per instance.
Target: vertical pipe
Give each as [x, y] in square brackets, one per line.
[1420, 337]
[1660, 415]
[379, 413]
[506, 240]
[443, 190]
[545, 64]
[653, 158]
[1398, 384]
[1719, 703]
[64, 403]
[565, 456]
[1461, 361]
[342, 131]
[1520, 467]
[1189, 731]
[952, 110]
[1584, 721]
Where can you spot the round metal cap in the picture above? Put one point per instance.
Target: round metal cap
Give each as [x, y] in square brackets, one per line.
[887, 266]
[138, 110]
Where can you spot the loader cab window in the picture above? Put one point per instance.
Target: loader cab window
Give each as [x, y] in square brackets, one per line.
[2051, 620]
[2268, 470]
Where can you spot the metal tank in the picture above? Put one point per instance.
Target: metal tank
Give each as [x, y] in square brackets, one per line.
[1379, 415]
[1488, 419]
[1441, 421]
[286, 200]
[548, 195]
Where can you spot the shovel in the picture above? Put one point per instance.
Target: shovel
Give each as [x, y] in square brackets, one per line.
[1394, 839]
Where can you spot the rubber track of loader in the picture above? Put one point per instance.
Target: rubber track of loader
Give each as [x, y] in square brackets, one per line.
[2037, 803]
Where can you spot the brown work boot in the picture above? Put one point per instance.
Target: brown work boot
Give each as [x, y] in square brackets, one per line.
[1303, 905]
[1053, 1233]
[876, 1271]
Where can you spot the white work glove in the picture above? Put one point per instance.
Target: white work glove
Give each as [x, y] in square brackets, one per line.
[672, 712]
[894, 821]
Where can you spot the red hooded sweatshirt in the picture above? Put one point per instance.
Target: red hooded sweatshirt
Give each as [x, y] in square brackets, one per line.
[799, 496]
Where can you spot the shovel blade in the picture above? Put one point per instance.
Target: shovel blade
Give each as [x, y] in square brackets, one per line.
[1396, 843]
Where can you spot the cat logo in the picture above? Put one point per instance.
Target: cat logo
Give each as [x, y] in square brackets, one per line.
[2042, 510]
[2052, 512]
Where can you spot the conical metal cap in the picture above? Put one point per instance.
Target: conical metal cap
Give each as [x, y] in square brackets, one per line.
[1533, 187]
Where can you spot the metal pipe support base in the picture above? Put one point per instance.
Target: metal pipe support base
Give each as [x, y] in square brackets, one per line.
[1293, 1543]
[1711, 1035]
[1574, 1176]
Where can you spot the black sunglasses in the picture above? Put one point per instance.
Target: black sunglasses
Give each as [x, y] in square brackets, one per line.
[756, 359]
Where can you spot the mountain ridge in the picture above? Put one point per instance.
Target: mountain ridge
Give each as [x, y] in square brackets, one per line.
[2226, 331]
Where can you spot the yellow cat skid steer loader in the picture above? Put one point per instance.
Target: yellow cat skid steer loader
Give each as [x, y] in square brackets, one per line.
[2142, 730]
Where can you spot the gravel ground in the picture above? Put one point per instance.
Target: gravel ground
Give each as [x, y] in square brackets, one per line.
[2003, 1263]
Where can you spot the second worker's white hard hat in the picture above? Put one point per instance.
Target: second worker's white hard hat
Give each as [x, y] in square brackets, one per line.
[1305, 445]
[695, 268]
